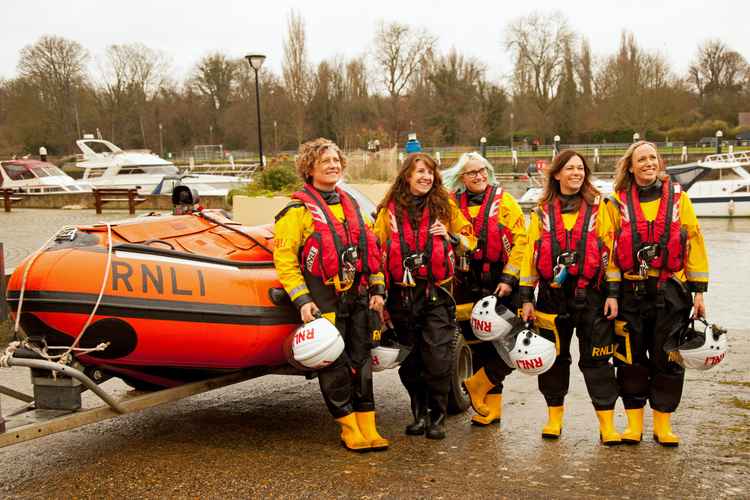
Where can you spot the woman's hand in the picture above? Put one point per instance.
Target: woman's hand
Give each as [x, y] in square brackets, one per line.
[308, 312]
[376, 304]
[503, 289]
[438, 229]
[610, 308]
[527, 311]
[699, 307]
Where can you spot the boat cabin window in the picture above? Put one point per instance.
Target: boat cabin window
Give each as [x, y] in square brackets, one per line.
[742, 189]
[131, 171]
[18, 172]
[721, 174]
[99, 147]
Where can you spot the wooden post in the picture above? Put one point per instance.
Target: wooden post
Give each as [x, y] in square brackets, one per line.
[131, 201]
[3, 304]
[98, 201]
[6, 199]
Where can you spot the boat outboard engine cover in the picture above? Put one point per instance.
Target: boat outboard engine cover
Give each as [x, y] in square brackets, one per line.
[700, 348]
[314, 345]
[389, 353]
[184, 198]
[491, 320]
[531, 353]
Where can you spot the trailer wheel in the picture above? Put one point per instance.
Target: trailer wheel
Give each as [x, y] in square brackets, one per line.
[461, 369]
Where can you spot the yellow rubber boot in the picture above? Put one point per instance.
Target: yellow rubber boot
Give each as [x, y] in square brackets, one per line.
[477, 386]
[366, 422]
[634, 431]
[494, 403]
[663, 429]
[553, 429]
[607, 432]
[351, 437]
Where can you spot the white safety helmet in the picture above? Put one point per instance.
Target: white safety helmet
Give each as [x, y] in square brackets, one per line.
[314, 345]
[389, 354]
[702, 349]
[490, 320]
[532, 354]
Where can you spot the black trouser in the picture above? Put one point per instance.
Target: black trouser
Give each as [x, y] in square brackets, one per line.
[591, 325]
[346, 384]
[649, 318]
[472, 286]
[424, 318]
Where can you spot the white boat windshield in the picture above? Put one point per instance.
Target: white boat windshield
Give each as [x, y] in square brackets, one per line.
[46, 170]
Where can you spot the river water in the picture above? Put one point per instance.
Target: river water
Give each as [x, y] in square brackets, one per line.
[728, 240]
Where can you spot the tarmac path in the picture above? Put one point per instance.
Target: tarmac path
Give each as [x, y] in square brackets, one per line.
[272, 437]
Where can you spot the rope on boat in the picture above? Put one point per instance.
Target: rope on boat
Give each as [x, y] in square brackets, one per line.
[9, 351]
[25, 275]
[63, 358]
[203, 214]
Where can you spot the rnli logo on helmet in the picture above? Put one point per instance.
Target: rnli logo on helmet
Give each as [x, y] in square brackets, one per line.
[304, 334]
[713, 360]
[310, 261]
[529, 364]
[375, 361]
[481, 325]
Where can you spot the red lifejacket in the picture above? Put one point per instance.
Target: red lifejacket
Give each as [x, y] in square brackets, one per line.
[591, 255]
[437, 261]
[665, 231]
[323, 250]
[494, 240]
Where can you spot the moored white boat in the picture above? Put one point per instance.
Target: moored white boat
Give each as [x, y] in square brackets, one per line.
[38, 177]
[107, 166]
[718, 186]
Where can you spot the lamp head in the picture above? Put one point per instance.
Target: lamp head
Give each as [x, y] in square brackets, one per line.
[255, 60]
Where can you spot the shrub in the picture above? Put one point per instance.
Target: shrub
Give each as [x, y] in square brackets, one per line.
[275, 180]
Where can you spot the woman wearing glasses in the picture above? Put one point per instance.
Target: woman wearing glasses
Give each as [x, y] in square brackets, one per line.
[492, 268]
[569, 244]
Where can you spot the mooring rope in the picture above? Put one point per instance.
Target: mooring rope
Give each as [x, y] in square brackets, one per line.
[63, 358]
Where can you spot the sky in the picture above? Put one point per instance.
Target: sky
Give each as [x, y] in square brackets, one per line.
[188, 30]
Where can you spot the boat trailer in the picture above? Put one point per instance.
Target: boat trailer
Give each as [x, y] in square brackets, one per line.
[56, 403]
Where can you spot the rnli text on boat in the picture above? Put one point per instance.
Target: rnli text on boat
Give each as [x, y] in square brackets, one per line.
[152, 278]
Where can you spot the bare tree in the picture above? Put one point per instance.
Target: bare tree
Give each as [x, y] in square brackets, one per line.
[55, 66]
[632, 86]
[132, 74]
[537, 44]
[296, 71]
[215, 78]
[716, 68]
[399, 49]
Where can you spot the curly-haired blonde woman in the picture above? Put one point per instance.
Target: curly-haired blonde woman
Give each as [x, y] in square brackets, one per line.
[328, 261]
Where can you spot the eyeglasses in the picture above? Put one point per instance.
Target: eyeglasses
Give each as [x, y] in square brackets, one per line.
[473, 174]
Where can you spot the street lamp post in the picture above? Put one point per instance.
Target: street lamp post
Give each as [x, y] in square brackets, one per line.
[211, 134]
[275, 138]
[483, 146]
[511, 131]
[719, 135]
[636, 137]
[256, 61]
[161, 141]
[557, 144]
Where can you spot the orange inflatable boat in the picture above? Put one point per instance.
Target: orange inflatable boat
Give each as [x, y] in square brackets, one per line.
[176, 297]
